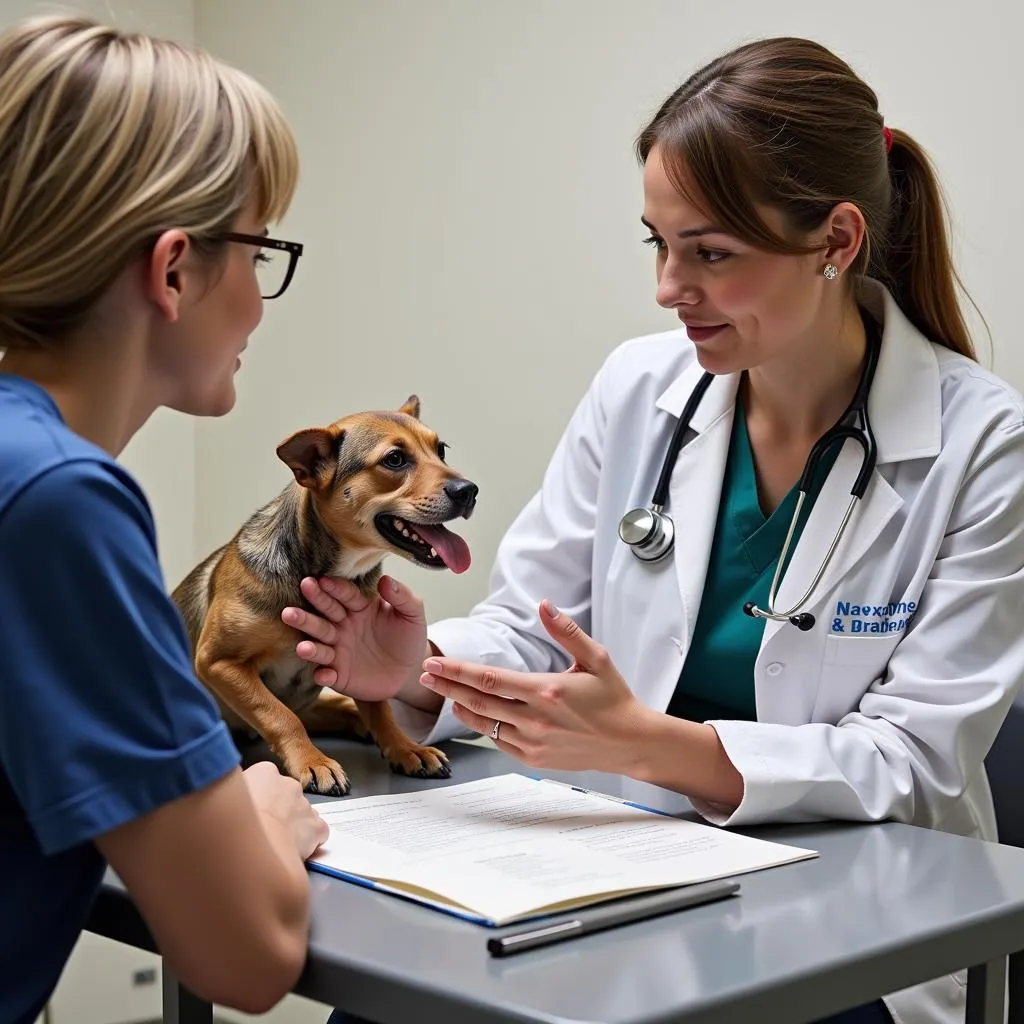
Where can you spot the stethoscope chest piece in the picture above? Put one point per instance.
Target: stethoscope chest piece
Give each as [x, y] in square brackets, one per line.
[649, 532]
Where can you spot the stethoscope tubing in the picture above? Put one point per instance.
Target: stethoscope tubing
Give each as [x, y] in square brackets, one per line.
[657, 539]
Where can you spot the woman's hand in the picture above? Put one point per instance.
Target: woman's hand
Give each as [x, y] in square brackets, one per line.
[583, 718]
[586, 719]
[281, 798]
[367, 648]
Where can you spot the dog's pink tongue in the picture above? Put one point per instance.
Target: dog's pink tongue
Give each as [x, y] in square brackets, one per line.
[451, 548]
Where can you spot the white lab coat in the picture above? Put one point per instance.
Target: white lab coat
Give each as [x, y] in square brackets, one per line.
[865, 725]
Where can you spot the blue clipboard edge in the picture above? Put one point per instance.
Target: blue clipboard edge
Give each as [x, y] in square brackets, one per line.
[372, 884]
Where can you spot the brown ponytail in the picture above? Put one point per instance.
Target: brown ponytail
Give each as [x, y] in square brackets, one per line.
[918, 266]
[786, 123]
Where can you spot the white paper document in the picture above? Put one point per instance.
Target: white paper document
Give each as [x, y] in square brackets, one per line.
[510, 847]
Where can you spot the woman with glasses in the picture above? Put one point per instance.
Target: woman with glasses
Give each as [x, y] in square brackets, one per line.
[137, 180]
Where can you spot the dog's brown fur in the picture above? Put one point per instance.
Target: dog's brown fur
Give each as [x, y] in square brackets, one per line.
[323, 522]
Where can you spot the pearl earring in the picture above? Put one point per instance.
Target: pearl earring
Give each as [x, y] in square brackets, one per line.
[831, 271]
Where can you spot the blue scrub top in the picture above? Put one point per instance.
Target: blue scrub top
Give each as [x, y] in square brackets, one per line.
[101, 717]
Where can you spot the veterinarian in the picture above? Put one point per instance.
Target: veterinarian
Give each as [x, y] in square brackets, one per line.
[801, 241]
[136, 178]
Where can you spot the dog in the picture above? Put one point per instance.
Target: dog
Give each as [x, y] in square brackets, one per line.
[368, 485]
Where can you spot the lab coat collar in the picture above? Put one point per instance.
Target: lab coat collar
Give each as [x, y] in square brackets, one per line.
[905, 406]
[718, 400]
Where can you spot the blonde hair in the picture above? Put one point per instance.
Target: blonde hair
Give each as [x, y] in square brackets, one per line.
[108, 139]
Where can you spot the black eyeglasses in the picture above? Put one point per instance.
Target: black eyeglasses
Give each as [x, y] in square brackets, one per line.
[273, 270]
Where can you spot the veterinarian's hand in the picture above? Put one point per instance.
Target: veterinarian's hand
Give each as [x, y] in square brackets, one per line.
[580, 719]
[367, 647]
[281, 798]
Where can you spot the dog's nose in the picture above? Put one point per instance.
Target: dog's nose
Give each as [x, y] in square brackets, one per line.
[462, 493]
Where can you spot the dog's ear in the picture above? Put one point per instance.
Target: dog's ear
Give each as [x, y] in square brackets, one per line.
[412, 407]
[311, 455]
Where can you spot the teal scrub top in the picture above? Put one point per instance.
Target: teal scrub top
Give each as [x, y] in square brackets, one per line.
[717, 679]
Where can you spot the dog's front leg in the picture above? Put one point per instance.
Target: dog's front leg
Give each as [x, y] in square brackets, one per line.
[238, 685]
[404, 756]
[333, 714]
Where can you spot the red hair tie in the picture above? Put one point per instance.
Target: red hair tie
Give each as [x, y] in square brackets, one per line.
[887, 135]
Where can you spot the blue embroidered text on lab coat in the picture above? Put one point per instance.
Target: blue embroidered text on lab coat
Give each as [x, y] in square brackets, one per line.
[893, 617]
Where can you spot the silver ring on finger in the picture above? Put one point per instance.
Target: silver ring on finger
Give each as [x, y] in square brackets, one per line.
[496, 730]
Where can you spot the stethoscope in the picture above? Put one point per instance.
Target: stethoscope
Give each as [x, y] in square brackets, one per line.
[650, 532]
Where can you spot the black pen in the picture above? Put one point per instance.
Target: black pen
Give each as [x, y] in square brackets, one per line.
[597, 919]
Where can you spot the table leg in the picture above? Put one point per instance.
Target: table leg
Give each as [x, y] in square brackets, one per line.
[181, 1006]
[986, 992]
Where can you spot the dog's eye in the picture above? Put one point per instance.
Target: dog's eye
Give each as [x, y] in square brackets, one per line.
[395, 459]
[442, 447]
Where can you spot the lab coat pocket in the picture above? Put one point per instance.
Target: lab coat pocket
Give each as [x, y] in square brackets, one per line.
[866, 652]
[850, 665]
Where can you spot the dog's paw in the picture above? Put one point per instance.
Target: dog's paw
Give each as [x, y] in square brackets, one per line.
[421, 762]
[323, 777]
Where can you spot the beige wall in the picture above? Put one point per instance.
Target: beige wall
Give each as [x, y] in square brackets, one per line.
[471, 235]
[469, 205]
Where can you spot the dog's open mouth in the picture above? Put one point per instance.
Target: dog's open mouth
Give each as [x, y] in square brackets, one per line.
[430, 544]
